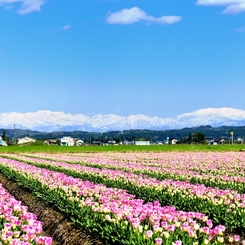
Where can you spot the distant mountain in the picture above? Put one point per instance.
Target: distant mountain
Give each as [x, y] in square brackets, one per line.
[48, 121]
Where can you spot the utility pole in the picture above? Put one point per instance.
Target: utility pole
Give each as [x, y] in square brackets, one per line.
[14, 135]
[232, 133]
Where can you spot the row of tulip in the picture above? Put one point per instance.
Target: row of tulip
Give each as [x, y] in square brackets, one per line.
[118, 216]
[234, 180]
[17, 225]
[228, 163]
[224, 206]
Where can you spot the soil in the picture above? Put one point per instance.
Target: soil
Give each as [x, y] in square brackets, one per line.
[56, 224]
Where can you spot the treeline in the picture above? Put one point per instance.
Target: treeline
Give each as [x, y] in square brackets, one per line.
[185, 135]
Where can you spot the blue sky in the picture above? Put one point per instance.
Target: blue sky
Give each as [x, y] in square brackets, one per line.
[158, 58]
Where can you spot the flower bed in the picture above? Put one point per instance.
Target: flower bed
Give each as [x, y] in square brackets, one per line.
[17, 225]
[224, 206]
[222, 170]
[114, 213]
[56, 224]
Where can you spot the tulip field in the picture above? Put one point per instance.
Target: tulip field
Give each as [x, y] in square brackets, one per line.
[132, 198]
[17, 225]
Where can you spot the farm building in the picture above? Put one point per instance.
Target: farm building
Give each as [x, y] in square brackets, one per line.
[209, 140]
[172, 141]
[51, 142]
[126, 142]
[96, 142]
[142, 142]
[78, 142]
[25, 140]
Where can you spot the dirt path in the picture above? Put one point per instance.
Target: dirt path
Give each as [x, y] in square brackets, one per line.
[56, 225]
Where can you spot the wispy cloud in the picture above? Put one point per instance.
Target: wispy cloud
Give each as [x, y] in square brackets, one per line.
[241, 29]
[231, 6]
[66, 27]
[9, 7]
[135, 14]
[27, 6]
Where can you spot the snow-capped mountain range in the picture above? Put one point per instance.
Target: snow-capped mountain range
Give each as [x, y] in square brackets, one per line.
[48, 121]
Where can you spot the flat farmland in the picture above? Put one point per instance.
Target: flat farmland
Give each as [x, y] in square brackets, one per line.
[136, 196]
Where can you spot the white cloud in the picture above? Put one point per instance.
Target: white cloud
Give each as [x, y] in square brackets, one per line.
[27, 6]
[66, 27]
[231, 6]
[135, 14]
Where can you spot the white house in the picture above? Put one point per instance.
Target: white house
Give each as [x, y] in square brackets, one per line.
[25, 140]
[67, 141]
[2, 142]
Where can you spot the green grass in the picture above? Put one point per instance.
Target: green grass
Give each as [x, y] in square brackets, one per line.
[121, 148]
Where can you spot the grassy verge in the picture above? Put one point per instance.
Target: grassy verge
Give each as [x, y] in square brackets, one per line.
[122, 148]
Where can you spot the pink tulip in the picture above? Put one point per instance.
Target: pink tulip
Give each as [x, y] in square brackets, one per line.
[148, 234]
[158, 241]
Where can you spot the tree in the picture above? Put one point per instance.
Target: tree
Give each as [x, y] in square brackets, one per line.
[4, 137]
[117, 139]
[201, 138]
[197, 138]
[192, 138]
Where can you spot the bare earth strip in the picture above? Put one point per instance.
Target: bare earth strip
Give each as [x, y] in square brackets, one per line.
[56, 225]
